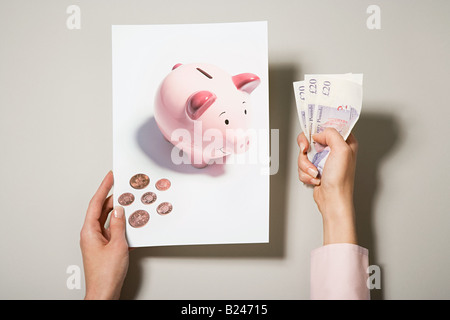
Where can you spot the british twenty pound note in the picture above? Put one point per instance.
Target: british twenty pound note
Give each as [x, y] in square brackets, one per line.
[299, 90]
[337, 104]
[311, 103]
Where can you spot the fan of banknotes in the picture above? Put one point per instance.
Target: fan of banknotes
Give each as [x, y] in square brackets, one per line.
[327, 100]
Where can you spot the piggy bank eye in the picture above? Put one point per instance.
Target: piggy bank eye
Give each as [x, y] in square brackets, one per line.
[227, 122]
[245, 111]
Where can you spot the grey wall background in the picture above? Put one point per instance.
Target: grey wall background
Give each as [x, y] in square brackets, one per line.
[56, 146]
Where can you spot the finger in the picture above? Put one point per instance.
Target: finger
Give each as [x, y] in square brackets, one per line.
[306, 166]
[103, 220]
[94, 210]
[107, 207]
[330, 137]
[302, 143]
[353, 143]
[117, 226]
[303, 162]
[307, 179]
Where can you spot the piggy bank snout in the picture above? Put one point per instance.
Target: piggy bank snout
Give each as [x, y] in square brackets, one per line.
[238, 143]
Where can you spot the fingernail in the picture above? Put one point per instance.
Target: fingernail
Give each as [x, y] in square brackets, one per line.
[312, 172]
[118, 212]
[315, 181]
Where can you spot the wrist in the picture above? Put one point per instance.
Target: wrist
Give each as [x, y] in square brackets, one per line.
[102, 294]
[339, 223]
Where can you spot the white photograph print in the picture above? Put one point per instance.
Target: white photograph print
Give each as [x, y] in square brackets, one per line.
[191, 132]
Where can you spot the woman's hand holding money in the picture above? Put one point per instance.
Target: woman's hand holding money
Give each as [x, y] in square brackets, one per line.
[333, 190]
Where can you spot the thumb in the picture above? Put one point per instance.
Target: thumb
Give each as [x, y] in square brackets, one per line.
[330, 137]
[117, 225]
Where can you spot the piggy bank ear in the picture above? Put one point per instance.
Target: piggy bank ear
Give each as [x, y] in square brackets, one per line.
[198, 103]
[246, 82]
[176, 66]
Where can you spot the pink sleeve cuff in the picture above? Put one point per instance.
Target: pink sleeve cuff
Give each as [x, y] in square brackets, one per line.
[339, 271]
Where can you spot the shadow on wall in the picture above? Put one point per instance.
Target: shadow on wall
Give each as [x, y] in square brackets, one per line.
[377, 134]
[280, 101]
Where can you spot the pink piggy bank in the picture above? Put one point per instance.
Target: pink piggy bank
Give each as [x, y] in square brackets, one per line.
[205, 111]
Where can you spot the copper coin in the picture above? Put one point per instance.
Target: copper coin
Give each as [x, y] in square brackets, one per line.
[148, 198]
[139, 181]
[162, 184]
[126, 199]
[164, 208]
[138, 218]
